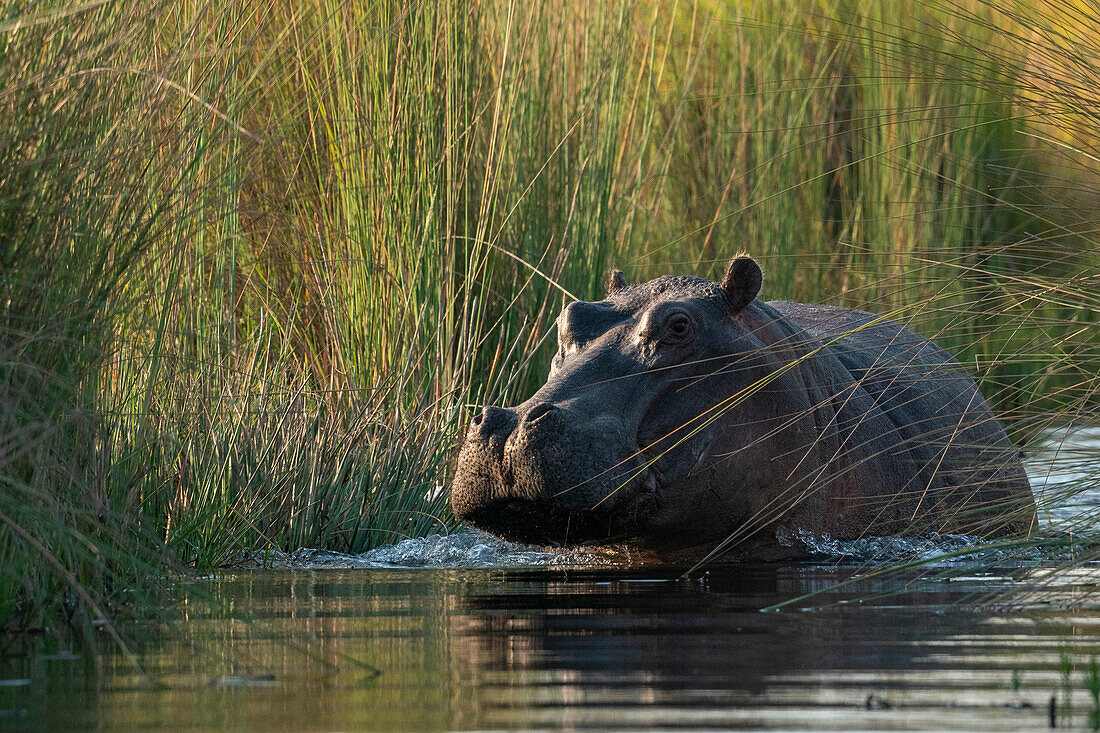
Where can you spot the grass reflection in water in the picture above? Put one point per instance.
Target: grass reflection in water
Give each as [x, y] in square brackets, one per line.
[406, 649]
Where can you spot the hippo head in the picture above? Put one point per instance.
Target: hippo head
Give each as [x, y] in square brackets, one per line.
[618, 443]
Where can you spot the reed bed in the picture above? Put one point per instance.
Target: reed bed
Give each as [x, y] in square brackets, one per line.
[260, 262]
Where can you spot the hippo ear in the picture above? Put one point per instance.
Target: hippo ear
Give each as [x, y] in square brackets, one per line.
[616, 282]
[742, 283]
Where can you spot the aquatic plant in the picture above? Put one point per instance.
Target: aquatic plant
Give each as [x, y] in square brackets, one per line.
[260, 262]
[77, 211]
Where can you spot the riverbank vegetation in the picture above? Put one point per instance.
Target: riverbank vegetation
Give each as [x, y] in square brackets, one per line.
[258, 263]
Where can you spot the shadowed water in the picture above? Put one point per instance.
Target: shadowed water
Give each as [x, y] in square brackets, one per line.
[467, 632]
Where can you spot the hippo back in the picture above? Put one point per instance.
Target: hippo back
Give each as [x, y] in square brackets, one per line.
[900, 405]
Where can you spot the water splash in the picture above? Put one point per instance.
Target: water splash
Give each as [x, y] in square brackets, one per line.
[933, 548]
[471, 548]
[467, 548]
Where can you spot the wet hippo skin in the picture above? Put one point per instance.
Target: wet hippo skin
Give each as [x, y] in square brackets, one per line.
[681, 413]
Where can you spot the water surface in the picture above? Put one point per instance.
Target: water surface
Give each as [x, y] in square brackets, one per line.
[429, 648]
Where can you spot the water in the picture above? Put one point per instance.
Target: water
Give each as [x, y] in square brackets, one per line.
[1063, 461]
[607, 648]
[465, 632]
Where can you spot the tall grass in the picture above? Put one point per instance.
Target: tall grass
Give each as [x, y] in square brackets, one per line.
[78, 207]
[261, 261]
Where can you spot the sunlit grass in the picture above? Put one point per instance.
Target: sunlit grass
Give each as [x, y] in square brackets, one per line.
[259, 262]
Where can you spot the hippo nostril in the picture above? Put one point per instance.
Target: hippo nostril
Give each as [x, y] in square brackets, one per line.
[494, 420]
[538, 411]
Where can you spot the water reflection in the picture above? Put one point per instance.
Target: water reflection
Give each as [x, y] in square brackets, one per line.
[463, 649]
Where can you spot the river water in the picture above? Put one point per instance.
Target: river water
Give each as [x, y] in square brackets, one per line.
[465, 632]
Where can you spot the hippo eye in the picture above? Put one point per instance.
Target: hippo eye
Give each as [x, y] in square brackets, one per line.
[678, 328]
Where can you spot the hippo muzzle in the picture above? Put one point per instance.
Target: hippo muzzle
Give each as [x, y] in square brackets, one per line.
[548, 474]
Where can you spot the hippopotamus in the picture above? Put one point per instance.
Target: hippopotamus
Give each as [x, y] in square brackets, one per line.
[682, 415]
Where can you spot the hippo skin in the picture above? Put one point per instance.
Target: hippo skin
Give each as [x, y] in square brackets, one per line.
[682, 415]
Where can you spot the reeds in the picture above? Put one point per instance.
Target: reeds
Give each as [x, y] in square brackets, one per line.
[260, 261]
[78, 208]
